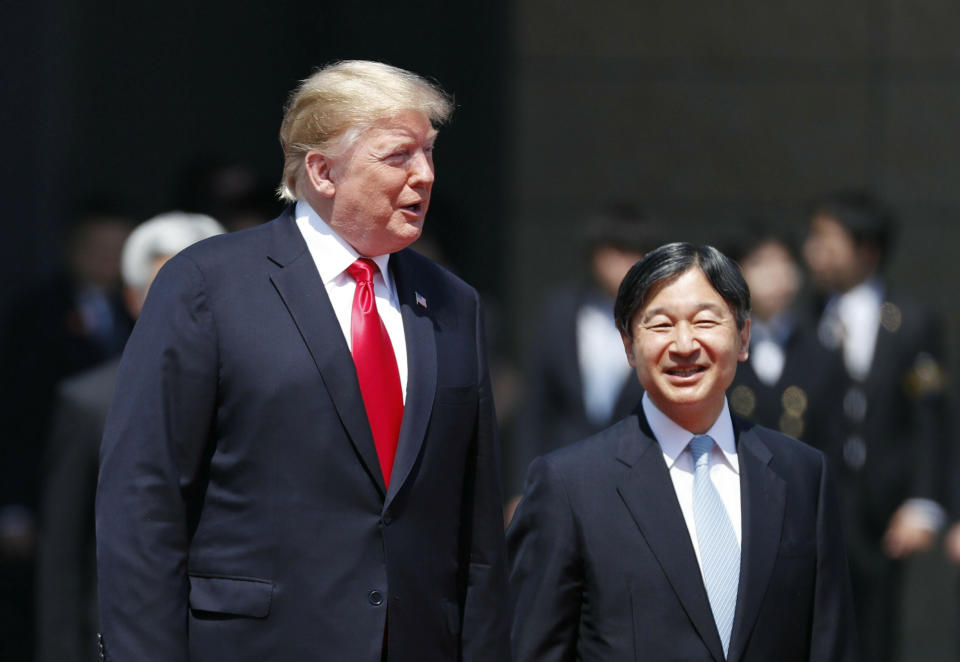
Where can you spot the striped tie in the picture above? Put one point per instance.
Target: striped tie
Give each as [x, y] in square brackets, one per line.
[719, 551]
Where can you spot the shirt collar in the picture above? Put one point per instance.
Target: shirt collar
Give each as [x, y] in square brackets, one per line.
[330, 251]
[869, 293]
[673, 439]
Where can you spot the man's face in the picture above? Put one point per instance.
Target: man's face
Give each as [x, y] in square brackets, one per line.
[835, 261]
[685, 348]
[382, 185]
[773, 278]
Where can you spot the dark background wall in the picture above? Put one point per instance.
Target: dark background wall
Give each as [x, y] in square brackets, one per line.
[123, 98]
[703, 112]
[707, 113]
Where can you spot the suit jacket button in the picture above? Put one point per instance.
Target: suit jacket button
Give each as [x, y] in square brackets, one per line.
[375, 598]
[387, 518]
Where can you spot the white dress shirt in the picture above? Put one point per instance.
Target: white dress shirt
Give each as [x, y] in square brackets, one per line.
[858, 312]
[333, 255]
[724, 465]
[603, 364]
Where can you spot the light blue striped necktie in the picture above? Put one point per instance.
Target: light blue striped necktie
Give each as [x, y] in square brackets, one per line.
[719, 551]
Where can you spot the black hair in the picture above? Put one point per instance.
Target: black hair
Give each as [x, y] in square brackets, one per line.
[867, 219]
[755, 233]
[667, 263]
[623, 226]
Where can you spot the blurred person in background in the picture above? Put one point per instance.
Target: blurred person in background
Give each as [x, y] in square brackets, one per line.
[888, 450]
[56, 327]
[791, 382]
[233, 192]
[66, 559]
[579, 381]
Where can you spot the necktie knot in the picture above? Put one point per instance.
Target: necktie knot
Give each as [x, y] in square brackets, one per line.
[362, 270]
[700, 448]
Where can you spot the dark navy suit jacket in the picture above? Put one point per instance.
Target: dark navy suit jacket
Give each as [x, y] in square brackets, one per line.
[603, 569]
[241, 513]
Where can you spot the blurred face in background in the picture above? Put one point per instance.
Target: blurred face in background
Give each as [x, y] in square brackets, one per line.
[610, 265]
[836, 262]
[773, 277]
[95, 252]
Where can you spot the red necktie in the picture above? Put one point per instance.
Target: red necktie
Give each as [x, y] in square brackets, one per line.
[376, 367]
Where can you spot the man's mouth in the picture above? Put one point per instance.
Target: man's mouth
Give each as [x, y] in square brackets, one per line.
[685, 371]
[415, 208]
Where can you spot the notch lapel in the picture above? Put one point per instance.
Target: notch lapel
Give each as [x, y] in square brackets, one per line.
[763, 499]
[298, 283]
[649, 495]
[418, 330]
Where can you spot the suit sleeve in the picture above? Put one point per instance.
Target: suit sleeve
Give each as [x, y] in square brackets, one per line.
[925, 392]
[546, 577]
[152, 467]
[834, 633]
[485, 633]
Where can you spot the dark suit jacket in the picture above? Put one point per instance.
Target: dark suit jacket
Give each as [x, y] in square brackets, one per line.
[603, 569]
[554, 413]
[66, 557]
[241, 513]
[901, 424]
[806, 402]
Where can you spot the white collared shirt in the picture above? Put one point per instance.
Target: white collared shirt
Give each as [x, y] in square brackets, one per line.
[724, 465]
[859, 314]
[603, 365]
[333, 255]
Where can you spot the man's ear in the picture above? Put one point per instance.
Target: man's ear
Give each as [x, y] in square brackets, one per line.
[628, 349]
[318, 169]
[744, 352]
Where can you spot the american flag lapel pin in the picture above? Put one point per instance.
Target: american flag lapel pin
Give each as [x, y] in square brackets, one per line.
[421, 300]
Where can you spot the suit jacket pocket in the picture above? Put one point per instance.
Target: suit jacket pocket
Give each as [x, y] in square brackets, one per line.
[236, 596]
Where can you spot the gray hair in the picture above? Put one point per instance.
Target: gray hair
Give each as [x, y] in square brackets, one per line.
[334, 106]
[162, 236]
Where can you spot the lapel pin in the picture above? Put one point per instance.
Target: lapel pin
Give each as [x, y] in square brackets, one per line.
[421, 300]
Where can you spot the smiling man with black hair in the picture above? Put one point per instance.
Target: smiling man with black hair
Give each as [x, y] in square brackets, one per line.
[681, 533]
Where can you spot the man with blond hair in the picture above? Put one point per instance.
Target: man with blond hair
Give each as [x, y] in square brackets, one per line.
[301, 462]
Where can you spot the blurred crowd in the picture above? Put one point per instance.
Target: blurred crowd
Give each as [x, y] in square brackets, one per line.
[839, 358]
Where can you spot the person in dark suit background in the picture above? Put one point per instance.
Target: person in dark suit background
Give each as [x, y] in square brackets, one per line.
[57, 326]
[681, 532]
[66, 558]
[578, 382]
[791, 382]
[262, 494]
[889, 447]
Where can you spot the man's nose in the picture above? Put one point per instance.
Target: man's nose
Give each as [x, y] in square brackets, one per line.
[684, 339]
[421, 170]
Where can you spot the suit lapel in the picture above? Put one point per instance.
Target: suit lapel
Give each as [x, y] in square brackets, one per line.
[763, 499]
[297, 282]
[884, 358]
[418, 329]
[650, 497]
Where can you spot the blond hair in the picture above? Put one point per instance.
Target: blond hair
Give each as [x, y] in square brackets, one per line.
[334, 106]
